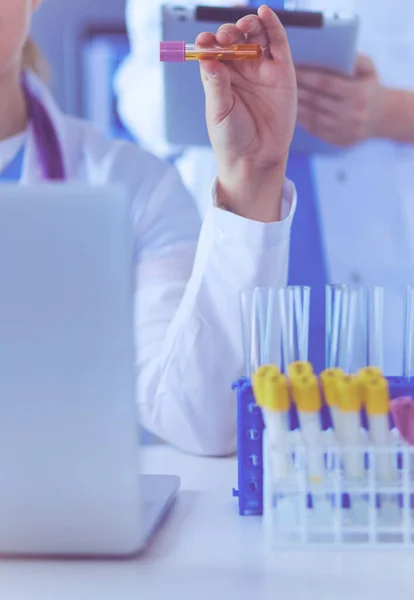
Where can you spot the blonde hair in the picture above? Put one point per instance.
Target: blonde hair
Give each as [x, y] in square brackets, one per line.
[34, 60]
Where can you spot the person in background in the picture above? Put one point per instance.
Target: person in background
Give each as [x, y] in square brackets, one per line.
[365, 191]
[358, 203]
[188, 277]
[142, 113]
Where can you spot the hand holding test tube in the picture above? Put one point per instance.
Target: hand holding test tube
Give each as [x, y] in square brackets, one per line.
[250, 113]
[272, 395]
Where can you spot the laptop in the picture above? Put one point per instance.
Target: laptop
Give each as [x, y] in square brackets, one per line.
[70, 481]
[323, 40]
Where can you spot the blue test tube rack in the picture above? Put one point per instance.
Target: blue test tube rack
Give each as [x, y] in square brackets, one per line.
[250, 426]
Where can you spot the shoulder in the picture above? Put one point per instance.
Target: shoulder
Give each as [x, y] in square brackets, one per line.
[161, 203]
[113, 159]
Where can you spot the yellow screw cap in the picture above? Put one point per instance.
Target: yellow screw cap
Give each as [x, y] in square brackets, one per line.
[377, 396]
[369, 372]
[270, 389]
[329, 378]
[306, 393]
[349, 393]
[300, 369]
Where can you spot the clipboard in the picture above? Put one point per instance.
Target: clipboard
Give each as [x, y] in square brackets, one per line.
[322, 40]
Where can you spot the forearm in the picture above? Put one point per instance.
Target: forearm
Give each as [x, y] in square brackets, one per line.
[397, 116]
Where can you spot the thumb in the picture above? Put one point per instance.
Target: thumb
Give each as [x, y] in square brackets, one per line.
[364, 66]
[217, 88]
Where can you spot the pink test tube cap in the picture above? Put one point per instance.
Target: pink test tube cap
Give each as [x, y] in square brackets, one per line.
[172, 52]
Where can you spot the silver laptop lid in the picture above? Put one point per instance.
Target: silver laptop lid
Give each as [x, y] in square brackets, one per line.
[68, 421]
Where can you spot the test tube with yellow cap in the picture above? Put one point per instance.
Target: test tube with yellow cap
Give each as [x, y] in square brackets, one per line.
[307, 397]
[271, 393]
[349, 415]
[367, 373]
[329, 379]
[300, 368]
[377, 402]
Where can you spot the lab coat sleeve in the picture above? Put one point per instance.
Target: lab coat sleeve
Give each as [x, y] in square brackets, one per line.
[188, 333]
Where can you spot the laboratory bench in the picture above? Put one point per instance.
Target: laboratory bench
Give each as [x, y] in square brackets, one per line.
[205, 550]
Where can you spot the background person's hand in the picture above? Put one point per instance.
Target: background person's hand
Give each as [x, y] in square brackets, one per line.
[251, 114]
[341, 110]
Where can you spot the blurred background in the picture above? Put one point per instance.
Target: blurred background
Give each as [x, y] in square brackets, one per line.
[84, 43]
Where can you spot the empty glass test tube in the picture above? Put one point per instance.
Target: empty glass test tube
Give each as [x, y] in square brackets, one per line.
[260, 328]
[294, 311]
[408, 367]
[181, 52]
[345, 328]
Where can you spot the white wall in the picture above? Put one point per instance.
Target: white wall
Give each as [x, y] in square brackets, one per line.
[58, 27]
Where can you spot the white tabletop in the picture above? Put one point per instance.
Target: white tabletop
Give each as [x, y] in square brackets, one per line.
[205, 550]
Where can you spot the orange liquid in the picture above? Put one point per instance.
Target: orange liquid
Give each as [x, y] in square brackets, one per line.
[233, 52]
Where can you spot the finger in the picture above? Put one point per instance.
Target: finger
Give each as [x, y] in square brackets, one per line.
[318, 102]
[206, 40]
[253, 27]
[326, 84]
[322, 127]
[276, 34]
[230, 34]
[218, 91]
[364, 67]
[315, 121]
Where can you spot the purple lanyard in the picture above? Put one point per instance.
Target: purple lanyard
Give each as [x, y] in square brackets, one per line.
[47, 144]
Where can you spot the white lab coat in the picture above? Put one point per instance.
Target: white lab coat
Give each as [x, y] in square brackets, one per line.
[140, 92]
[366, 194]
[188, 331]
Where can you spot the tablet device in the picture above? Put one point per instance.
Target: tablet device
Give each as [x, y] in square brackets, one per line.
[326, 41]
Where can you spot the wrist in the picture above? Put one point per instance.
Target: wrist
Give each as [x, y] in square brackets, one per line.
[396, 116]
[386, 102]
[252, 193]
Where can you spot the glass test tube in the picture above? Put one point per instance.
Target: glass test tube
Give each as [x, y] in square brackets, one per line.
[259, 328]
[408, 366]
[294, 310]
[376, 327]
[181, 52]
[343, 324]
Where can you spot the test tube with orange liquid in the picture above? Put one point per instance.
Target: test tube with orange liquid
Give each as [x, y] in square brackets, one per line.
[181, 52]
